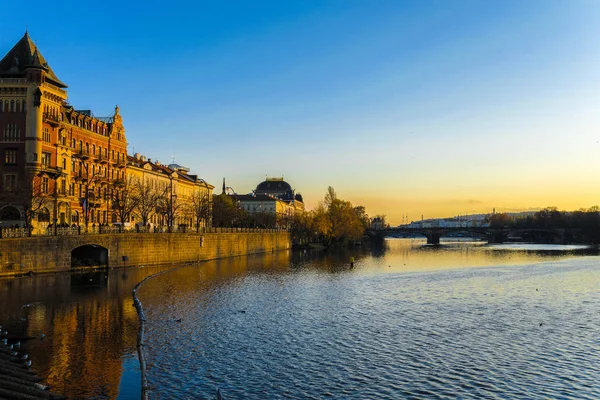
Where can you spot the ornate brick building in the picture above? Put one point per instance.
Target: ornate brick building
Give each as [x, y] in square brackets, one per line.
[58, 165]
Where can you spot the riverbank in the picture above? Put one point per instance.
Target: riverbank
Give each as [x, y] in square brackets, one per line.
[35, 255]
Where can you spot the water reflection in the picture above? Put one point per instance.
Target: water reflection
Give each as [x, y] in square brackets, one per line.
[406, 320]
[458, 320]
[78, 329]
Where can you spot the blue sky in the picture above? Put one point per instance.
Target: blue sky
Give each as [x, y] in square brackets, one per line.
[422, 107]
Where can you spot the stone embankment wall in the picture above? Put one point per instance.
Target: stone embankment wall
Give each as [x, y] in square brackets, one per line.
[53, 253]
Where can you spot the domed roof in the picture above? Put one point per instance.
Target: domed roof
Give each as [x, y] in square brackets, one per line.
[273, 186]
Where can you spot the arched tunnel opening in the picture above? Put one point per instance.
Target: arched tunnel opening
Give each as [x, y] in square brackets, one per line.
[89, 255]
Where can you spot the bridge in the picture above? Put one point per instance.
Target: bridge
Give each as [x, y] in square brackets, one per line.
[492, 235]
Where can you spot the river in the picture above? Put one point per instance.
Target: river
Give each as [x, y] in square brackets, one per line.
[460, 320]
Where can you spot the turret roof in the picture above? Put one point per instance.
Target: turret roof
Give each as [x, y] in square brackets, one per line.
[26, 54]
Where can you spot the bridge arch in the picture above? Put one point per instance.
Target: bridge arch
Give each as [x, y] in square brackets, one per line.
[89, 255]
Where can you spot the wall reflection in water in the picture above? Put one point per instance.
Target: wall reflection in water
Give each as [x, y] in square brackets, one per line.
[81, 329]
[76, 328]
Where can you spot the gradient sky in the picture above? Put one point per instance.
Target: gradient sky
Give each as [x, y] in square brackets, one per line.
[431, 108]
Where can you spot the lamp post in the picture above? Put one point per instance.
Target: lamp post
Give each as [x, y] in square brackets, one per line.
[56, 175]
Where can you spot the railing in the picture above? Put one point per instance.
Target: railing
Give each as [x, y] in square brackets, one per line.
[82, 153]
[51, 118]
[112, 229]
[13, 80]
[53, 170]
[56, 88]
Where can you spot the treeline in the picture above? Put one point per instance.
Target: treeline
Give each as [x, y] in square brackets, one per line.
[333, 221]
[585, 223]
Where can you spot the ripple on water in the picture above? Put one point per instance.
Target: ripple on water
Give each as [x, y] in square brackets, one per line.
[302, 333]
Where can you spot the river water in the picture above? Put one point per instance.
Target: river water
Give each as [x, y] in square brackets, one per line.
[462, 320]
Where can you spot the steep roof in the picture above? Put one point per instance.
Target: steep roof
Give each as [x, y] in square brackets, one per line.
[26, 54]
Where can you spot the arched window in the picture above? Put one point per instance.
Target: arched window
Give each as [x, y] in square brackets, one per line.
[12, 106]
[75, 217]
[10, 213]
[24, 106]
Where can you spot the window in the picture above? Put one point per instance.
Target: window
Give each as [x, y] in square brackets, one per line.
[46, 158]
[63, 187]
[64, 164]
[12, 106]
[46, 135]
[10, 181]
[11, 133]
[45, 184]
[23, 106]
[1, 106]
[10, 156]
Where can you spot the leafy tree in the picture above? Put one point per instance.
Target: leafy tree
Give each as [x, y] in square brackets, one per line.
[499, 220]
[224, 211]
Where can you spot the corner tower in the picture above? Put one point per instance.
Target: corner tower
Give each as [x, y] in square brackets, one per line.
[31, 98]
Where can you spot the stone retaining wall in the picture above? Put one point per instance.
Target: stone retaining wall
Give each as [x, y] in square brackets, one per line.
[53, 253]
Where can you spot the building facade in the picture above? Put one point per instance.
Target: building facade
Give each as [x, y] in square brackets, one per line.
[272, 196]
[170, 197]
[60, 166]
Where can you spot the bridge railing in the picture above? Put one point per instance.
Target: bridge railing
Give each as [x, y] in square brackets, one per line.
[103, 229]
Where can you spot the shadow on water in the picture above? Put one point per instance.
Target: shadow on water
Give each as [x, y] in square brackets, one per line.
[89, 280]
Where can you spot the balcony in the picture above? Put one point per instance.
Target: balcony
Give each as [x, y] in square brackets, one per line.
[51, 171]
[101, 159]
[119, 164]
[51, 119]
[81, 153]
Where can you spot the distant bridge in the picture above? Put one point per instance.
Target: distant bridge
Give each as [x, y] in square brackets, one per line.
[492, 235]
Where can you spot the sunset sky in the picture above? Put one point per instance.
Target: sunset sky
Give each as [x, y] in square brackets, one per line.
[432, 108]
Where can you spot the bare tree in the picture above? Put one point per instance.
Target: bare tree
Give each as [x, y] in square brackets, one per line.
[168, 206]
[200, 208]
[146, 202]
[31, 196]
[125, 199]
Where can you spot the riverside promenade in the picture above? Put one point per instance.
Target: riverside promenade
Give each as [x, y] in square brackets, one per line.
[75, 251]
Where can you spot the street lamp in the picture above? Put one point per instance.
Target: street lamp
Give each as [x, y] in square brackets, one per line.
[57, 174]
